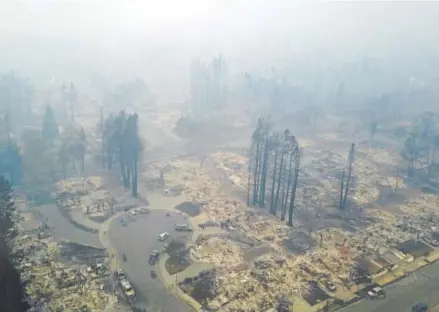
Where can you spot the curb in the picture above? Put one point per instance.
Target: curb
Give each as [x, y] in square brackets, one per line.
[73, 222]
[106, 242]
[194, 305]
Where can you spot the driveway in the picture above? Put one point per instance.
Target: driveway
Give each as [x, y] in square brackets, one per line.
[137, 240]
[420, 286]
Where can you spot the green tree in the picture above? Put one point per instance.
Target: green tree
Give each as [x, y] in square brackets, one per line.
[11, 290]
[135, 151]
[425, 127]
[7, 215]
[284, 304]
[50, 126]
[12, 295]
[15, 99]
[400, 133]
[121, 141]
[10, 161]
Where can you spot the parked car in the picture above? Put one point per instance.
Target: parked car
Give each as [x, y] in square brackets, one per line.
[153, 274]
[376, 293]
[163, 236]
[330, 286]
[121, 274]
[182, 228]
[153, 257]
[420, 307]
[432, 241]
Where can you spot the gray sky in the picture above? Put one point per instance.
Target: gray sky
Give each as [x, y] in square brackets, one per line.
[136, 38]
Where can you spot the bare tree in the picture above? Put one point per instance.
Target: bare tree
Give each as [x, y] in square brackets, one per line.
[345, 179]
[294, 188]
[273, 182]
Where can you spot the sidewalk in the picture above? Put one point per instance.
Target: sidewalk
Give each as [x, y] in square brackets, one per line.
[170, 282]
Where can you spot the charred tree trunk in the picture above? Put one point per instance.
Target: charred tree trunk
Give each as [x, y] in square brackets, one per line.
[134, 153]
[256, 173]
[250, 160]
[8, 130]
[273, 183]
[123, 167]
[104, 154]
[264, 174]
[340, 205]
[260, 169]
[102, 133]
[348, 179]
[64, 171]
[282, 205]
[110, 155]
[129, 175]
[249, 178]
[294, 188]
[288, 186]
[82, 162]
[279, 180]
[134, 176]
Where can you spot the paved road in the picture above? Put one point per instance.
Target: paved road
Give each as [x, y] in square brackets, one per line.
[137, 240]
[420, 286]
[63, 229]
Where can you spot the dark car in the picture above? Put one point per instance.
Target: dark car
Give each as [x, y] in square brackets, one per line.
[153, 257]
[420, 307]
[153, 274]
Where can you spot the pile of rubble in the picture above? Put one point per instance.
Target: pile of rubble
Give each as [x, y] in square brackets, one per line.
[245, 288]
[247, 285]
[219, 251]
[56, 285]
[78, 186]
[80, 197]
[234, 166]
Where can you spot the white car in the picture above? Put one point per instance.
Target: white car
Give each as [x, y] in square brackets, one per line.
[163, 236]
[376, 292]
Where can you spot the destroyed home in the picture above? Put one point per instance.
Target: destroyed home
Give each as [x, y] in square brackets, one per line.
[250, 182]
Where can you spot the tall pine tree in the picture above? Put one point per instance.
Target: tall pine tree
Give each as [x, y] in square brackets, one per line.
[11, 290]
[7, 215]
[50, 126]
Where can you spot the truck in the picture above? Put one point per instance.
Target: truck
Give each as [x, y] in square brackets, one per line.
[126, 286]
[128, 290]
